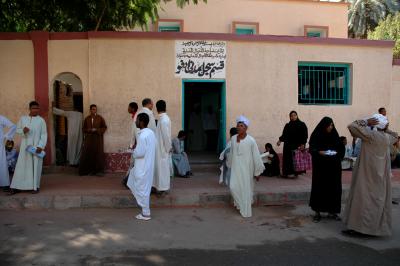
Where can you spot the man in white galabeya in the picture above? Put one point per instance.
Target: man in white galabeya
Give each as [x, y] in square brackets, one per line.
[33, 131]
[246, 165]
[162, 175]
[141, 175]
[369, 204]
[147, 108]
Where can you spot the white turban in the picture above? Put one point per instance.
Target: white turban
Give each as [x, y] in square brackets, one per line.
[383, 121]
[243, 119]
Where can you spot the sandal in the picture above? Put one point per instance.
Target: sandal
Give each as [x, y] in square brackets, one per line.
[142, 217]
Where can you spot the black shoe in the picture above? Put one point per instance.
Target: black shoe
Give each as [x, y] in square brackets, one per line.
[353, 233]
[395, 202]
[13, 192]
[161, 194]
[124, 182]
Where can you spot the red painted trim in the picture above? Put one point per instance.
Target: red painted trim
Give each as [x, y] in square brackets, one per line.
[14, 36]
[39, 40]
[396, 62]
[210, 36]
[235, 37]
[68, 35]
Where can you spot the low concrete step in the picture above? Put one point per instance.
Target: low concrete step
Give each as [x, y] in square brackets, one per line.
[62, 188]
[178, 199]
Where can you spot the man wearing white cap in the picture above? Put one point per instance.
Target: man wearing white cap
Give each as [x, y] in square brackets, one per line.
[246, 164]
[368, 209]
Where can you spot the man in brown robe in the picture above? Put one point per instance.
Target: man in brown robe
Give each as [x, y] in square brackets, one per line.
[369, 204]
[92, 159]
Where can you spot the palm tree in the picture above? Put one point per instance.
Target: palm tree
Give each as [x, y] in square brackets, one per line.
[364, 15]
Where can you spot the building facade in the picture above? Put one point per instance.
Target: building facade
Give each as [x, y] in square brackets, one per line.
[262, 74]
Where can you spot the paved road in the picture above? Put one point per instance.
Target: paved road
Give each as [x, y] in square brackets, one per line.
[276, 235]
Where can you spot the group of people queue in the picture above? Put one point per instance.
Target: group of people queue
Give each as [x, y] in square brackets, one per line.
[151, 146]
[368, 208]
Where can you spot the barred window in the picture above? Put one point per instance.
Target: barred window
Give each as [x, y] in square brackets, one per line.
[323, 83]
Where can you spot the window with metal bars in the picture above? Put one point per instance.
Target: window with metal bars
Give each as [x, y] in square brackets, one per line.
[320, 83]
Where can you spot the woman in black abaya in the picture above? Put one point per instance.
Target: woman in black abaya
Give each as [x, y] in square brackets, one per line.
[327, 153]
[294, 136]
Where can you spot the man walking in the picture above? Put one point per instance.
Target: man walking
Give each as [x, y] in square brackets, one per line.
[246, 165]
[141, 176]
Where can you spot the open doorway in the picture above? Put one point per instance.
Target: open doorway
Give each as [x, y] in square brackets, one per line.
[68, 96]
[204, 117]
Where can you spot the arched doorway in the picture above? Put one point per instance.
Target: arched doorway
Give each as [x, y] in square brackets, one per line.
[68, 96]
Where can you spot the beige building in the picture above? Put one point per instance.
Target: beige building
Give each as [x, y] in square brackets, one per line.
[260, 58]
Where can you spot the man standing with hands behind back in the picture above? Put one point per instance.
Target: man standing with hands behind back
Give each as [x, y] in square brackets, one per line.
[92, 155]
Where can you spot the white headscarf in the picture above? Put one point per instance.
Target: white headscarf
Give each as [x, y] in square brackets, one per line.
[243, 119]
[383, 121]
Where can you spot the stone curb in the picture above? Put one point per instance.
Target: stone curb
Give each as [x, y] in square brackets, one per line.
[206, 200]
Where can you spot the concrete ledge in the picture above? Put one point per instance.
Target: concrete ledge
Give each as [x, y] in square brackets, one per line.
[206, 200]
[63, 189]
[67, 202]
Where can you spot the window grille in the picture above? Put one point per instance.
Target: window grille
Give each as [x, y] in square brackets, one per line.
[323, 83]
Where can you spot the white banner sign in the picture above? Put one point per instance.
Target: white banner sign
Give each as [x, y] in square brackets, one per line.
[200, 59]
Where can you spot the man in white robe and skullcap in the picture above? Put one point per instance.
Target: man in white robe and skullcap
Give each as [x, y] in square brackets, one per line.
[368, 209]
[246, 165]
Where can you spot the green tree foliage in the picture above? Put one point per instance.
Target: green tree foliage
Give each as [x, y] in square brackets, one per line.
[79, 15]
[388, 29]
[364, 15]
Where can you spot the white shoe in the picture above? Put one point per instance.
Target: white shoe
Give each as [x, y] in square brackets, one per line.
[141, 217]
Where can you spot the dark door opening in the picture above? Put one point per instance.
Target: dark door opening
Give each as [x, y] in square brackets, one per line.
[204, 116]
[68, 100]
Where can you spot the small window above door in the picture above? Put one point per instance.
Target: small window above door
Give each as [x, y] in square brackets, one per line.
[316, 31]
[245, 28]
[169, 25]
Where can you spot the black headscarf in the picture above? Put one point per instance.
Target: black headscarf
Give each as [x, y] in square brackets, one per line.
[294, 133]
[271, 149]
[321, 140]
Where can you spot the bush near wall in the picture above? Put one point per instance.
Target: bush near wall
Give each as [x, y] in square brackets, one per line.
[388, 29]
